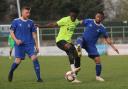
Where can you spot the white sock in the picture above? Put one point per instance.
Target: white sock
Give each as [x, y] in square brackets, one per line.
[78, 45]
[73, 69]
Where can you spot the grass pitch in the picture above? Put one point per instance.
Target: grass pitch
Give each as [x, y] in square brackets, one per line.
[115, 73]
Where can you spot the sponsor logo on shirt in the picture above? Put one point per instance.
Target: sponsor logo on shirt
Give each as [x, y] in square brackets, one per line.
[28, 25]
[98, 30]
[20, 24]
[90, 25]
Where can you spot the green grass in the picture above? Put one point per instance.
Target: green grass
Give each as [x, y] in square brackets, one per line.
[115, 72]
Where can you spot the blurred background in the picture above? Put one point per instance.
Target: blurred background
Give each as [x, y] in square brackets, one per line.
[50, 10]
[44, 11]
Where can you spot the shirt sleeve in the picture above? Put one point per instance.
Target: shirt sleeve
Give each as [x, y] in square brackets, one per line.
[105, 34]
[61, 22]
[13, 25]
[85, 21]
[33, 27]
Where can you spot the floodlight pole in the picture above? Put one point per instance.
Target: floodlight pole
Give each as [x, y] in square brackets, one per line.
[18, 8]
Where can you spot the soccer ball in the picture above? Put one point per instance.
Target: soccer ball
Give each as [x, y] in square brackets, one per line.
[69, 76]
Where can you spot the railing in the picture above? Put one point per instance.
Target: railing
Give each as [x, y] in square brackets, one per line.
[119, 34]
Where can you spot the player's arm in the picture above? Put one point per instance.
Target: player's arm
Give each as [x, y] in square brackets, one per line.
[108, 40]
[49, 25]
[58, 23]
[12, 30]
[84, 21]
[34, 34]
[18, 42]
[13, 35]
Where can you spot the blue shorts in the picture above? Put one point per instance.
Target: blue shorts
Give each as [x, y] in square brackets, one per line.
[90, 48]
[23, 49]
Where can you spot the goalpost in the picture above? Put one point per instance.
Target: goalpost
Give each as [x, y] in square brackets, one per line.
[38, 39]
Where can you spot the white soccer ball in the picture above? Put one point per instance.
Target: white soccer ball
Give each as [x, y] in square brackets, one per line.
[69, 76]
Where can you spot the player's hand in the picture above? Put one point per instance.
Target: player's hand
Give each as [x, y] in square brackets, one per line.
[117, 51]
[18, 42]
[37, 50]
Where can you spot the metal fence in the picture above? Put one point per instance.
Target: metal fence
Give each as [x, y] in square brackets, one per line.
[119, 35]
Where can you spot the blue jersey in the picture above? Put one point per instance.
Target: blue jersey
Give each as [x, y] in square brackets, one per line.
[23, 30]
[93, 31]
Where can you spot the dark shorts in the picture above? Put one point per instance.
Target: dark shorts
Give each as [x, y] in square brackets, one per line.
[61, 44]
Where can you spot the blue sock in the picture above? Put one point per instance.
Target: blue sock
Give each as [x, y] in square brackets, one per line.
[37, 68]
[13, 67]
[98, 69]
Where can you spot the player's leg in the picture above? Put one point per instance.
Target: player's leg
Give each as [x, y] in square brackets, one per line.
[70, 50]
[31, 52]
[79, 44]
[98, 66]
[19, 55]
[72, 54]
[77, 59]
[36, 67]
[98, 69]
[75, 64]
[13, 67]
[93, 53]
[67, 47]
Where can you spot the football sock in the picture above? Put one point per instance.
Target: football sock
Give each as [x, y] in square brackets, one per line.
[13, 67]
[98, 69]
[71, 56]
[77, 62]
[37, 68]
[73, 69]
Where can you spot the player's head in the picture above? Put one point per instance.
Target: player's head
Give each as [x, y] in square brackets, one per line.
[25, 12]
[99, 17]
[74, 12]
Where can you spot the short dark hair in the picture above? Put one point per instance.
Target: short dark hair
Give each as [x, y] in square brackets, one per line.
[26, 8]
[100, 12]
[75, 10]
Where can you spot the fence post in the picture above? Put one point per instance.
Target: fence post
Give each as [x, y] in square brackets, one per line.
[55, 32]
[123, 33]
[38, 39]
[111, 33]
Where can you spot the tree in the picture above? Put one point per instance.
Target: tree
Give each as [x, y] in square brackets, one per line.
[116, 9]
[54, 9]
[45, 10]
[123, 11]
[3, 9]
